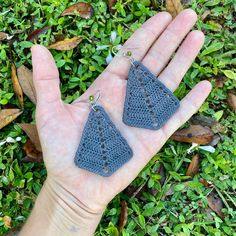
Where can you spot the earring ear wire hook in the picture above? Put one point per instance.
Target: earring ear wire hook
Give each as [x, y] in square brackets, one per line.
[128, 54]
[93, 101]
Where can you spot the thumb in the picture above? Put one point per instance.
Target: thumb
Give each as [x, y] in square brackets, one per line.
[45, 76]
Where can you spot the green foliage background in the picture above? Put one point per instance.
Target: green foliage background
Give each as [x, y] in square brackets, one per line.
[182, 213]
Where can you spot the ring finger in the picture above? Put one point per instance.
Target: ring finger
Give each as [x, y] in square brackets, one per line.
[161, 51]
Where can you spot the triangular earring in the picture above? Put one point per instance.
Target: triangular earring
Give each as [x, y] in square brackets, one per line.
[148, 102]
[102, 148]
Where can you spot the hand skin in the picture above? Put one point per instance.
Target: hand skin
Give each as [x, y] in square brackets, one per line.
[73, 200]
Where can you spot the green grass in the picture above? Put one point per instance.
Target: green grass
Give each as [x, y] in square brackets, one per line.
[185, 211]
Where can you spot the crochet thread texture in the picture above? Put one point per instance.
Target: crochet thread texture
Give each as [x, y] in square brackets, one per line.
[102, 148]
[148, 102]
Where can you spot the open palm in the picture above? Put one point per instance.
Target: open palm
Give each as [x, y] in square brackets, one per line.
[60, 125]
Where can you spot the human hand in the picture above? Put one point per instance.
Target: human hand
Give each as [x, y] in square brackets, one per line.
[60, 125]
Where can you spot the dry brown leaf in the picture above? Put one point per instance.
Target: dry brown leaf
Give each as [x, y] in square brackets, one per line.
[193, 167]
[59, 37]
[85, 10]
[206, 183]
[36, 33]
[32, 154]
[8, 115]
[231, 99]
[216, 139]
[208, 121]
[8, 106]
[154, 4]
[25, 77]
[205, 14]
[136, 191]
[194, 134]
[7, 221]
[174, 7]
[202, 120]
[3, 36]
[162, 173]
[123, 215]
[111, 4]
[216, 204]
[218, 128]
[220, 81]
[16, 85]
[32, 133]
[66, 44]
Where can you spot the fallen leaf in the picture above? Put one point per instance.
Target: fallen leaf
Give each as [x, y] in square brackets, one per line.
[8, 115]
[111, 4]
[154, 4]
[174, 7]
[231, 99]
[193, 167]
[36, 33]
[66, 44]
[206, 183]
[202, 120]
[205, 14]
[207, 212]
[25, 77]
[8, 106]
[194, 134]
[161, 172]
[7, 221]
[137, 192]
[216, 204]
[59, 37]
[3, 36]
[123, 215]
[208, 121]
[32, 154]
[220, 81]
[85, 10]
[32, 133]
[216, 139]
[16, 85]
[218, 128]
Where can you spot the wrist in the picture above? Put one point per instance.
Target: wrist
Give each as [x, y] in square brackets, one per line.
[58, 212]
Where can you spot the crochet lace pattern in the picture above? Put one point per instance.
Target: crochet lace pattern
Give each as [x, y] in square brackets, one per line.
[148, 102]
[102, 148]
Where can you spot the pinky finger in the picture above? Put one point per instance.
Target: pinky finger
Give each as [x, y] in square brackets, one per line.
[188, 106]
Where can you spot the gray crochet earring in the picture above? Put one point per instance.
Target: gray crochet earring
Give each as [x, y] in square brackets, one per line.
[102, 149]
[148, 103]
